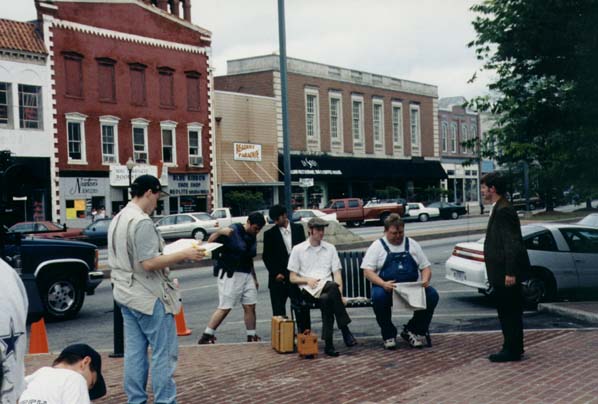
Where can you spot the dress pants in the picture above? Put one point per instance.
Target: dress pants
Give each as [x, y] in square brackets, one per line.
[279, 293]
[509, 304]
[331, 306]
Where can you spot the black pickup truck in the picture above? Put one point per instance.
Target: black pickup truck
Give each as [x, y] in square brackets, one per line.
[65, 271]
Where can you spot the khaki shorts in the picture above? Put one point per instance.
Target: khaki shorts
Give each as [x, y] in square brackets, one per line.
[240, 288]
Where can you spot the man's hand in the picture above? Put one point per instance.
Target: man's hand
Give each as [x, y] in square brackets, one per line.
[279, 278]
[344, 299]
[388, 286]
[312, 282]
[257, 284]
[510, 280]
[194, 254]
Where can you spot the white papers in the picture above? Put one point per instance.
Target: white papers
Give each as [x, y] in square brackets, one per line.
[409, 296]
[317, 291]
[185, 243]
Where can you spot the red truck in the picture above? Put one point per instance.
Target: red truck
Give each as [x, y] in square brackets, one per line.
[354, 213]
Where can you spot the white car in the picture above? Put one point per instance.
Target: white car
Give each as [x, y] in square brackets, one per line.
[563, 257]
[417, 211]
[590, 220]
[197, 225]
[305, 214]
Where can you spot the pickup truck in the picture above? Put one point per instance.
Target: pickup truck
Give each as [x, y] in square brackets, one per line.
[417, 211]
[225, 218]
[354, 213]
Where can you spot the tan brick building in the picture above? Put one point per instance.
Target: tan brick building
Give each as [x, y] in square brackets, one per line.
[353, 132]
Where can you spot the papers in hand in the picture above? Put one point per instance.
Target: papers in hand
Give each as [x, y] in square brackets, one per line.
[185, 243]
[317, 291]
[409, 295]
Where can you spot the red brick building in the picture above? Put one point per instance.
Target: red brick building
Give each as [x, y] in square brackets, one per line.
[131, 80]
[355, 133]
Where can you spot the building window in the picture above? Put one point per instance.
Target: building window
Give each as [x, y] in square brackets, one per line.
[336, 118]
[106, 80]
[378, 122]
[453, 137]
[473, 135]
[464, 136]
[73, 73]
[138, 91]
[168, 129]
[444, 136]
[357, 120]
[30, 116]
[193, 101]
[311, 113]
[75, 128]
[397, 125]
[195, 153]
[140, 154]
[109, 129]
[166, 81]
[415, 126]
[5, 104]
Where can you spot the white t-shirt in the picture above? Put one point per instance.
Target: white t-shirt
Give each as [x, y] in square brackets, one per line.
[314, 262]
[376, 255]
[55, 386]
[13, 338]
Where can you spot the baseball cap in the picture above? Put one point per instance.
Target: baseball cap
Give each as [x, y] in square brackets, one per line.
[317, 222]
[83, 350]
[146, 182]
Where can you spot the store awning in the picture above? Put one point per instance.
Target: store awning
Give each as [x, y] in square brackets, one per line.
[357, 168]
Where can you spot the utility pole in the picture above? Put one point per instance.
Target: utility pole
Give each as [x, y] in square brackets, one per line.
[286, 157]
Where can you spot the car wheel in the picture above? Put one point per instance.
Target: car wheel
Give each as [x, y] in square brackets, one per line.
[355, 223]
[424, 217]
[538, 288]
[454, 215]
[488, 292]
[62, 297]
[532, 206]
[199, 234]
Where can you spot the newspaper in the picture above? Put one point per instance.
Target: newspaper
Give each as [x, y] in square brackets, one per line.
[409, 296]
[317, 291]
[185, 243]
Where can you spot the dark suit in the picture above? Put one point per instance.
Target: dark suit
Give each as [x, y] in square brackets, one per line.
[276, 259]
[505, 254]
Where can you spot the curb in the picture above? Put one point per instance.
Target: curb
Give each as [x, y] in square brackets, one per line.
[577, 314]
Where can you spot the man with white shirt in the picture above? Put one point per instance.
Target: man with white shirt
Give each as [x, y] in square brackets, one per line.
[394, 259]
[314, 266]
[278, 242]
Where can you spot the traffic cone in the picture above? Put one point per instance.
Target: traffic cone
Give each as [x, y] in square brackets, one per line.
[181, 326]
[38, 340]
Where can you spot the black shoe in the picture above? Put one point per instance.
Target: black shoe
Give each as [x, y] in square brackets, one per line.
[504, 356]
[330, 351]
[207, 339]
[348, 338]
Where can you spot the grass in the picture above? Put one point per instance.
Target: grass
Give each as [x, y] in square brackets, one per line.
[557, 215]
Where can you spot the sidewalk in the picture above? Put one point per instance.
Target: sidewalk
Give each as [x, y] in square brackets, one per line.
[560, 366]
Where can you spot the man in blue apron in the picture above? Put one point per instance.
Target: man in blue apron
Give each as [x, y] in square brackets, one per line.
[395, 259]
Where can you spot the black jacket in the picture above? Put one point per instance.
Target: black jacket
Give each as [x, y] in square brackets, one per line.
[504, 250]
[275, 254]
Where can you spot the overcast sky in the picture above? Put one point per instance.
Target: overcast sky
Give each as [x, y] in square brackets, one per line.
[419, 40]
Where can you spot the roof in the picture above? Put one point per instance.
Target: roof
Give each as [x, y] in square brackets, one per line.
[20, 36]
[449, 102]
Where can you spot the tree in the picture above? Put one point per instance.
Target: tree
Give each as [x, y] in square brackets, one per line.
[544, 55]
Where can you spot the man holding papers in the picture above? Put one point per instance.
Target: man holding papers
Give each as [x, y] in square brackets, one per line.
[389, 262]
[314, 266]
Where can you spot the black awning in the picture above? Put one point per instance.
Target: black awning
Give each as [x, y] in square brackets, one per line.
[328, 167]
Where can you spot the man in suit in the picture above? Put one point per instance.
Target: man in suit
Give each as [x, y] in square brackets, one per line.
[278, 243]
[506, 261]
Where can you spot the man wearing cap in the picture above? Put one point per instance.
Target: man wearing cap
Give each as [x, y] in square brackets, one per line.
[74, 378]
[314, 266]
[147, 296]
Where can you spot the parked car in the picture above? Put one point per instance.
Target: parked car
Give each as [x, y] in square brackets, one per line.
[519, 203]
[97, 232]
[590, 220]
[46, 229]
[354, 213]
[449, 210]
[417, 211]
[184, 225]
[563, 257]
[304, 215]
[225, 217]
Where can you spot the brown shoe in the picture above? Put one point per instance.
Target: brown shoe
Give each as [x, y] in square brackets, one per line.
[253, 338]
[207, 339]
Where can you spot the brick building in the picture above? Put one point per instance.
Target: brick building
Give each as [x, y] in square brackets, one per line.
[131, 81]
[354, 133]
[458, 125]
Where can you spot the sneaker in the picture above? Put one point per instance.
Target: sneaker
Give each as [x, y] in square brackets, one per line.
[207, 339]
[390, 343]
[412, 339]
[253, 338]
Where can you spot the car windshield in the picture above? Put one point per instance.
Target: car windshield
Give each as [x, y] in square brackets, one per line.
[329, 205]
[435, 205]
[202, 216]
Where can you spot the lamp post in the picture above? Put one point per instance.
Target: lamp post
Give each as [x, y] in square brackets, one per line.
[130, 166]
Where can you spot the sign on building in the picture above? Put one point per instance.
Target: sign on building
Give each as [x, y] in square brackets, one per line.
[247, 152]
[306, 182]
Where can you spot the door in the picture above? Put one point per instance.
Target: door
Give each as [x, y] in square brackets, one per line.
[166, 226]
[354, 211]
[543, 252]
[584, 249]
[184, 226]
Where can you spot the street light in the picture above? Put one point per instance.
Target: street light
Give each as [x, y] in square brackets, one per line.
[130, 166]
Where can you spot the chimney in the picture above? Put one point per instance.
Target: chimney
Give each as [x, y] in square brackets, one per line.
[175, 7]
[187, 10]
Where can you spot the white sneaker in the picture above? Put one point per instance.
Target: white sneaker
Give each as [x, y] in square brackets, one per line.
[390, 343]
[412, 339]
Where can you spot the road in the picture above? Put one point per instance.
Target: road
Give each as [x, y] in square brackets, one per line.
[459, 309]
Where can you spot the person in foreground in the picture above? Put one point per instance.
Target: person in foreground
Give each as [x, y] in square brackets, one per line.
[74, 378]
[506, 261]
[392, 259]
[147, 297]
[314, 265]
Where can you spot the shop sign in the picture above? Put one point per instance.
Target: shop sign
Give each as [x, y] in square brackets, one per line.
[247, 152]
[306, 182]
[119, 175]
[82, 186]
[311, 167]
[188, 184]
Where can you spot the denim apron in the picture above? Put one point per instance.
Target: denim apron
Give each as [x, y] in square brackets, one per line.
[399, 266]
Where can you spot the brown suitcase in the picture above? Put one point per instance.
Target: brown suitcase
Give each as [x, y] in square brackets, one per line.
[283, 334]
[307, 344]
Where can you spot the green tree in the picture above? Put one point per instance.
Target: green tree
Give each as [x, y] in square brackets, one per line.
[544, 55]
[244, 202]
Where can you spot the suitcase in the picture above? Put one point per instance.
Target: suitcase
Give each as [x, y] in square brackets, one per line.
[283, 334]
[307, 344]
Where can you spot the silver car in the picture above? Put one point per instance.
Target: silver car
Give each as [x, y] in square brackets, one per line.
[563, 257]
[590, 220]
[184, 225]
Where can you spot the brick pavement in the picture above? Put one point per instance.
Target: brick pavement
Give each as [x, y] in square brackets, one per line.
[560, 366]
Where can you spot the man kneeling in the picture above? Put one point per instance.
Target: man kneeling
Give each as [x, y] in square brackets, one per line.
[394, 259]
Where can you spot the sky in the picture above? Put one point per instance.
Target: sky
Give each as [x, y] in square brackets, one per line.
[418, 40]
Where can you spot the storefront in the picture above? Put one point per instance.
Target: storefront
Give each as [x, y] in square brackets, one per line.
[80, 195]
[462, 184]
[188, 193]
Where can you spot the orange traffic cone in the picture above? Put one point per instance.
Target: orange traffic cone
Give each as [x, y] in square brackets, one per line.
[181, 326]
[38, 340]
